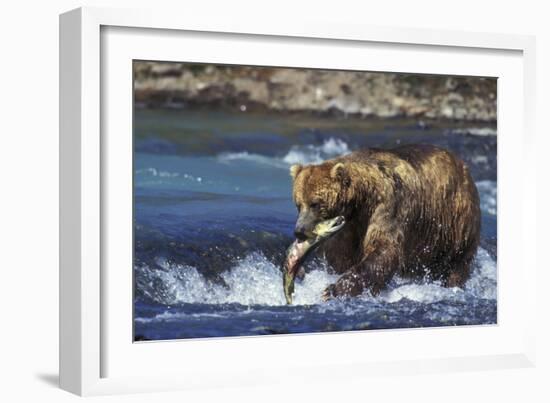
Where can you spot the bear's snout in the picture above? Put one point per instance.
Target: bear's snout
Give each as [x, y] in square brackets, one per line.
[307, 220]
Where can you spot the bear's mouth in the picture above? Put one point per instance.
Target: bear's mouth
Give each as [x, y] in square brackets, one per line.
[322, 231]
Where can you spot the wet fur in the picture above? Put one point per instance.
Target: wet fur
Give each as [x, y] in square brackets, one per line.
[411, 210]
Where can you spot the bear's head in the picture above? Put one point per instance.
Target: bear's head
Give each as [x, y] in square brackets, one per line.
[320, 192]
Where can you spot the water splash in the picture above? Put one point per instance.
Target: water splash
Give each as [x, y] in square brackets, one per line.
[312, 154]
[254, 280]
[298, 154]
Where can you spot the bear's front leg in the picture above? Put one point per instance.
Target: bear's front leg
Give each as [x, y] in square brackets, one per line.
[373, 273]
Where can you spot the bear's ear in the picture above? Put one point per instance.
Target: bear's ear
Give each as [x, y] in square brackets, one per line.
[295, 170]
[340, 173]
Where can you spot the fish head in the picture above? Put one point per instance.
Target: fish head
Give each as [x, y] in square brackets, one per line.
[329, 227]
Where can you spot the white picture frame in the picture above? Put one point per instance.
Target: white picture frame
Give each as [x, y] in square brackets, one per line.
[97, 357]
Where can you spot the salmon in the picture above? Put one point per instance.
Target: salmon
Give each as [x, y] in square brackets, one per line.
[298, 251]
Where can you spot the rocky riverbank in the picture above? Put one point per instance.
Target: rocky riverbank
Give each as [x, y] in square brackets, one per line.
[384, 95]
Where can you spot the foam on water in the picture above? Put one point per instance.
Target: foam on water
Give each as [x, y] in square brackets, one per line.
[255, 280]
[153, 176]
[303, 154]
[177, 316]
[257, 158]
[155, 172]
[476, 131]
[312, 154]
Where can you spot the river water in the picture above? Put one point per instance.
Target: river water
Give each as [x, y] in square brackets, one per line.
[213, 217]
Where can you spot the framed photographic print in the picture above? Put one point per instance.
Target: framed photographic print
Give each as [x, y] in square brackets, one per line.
[233, 201]
[234, 163]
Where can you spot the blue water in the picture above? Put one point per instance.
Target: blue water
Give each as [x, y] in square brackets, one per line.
[213, 216]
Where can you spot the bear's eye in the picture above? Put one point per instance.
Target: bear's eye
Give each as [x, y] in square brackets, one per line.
[314, 205]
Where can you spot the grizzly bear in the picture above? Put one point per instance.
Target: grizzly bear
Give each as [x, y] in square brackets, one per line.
[412, 211]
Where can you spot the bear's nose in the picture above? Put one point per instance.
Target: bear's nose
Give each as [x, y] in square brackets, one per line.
[300, 233]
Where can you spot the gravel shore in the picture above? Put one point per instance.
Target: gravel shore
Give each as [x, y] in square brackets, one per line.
[384, 95]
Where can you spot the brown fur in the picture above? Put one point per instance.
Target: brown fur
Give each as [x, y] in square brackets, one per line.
[412, 210]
